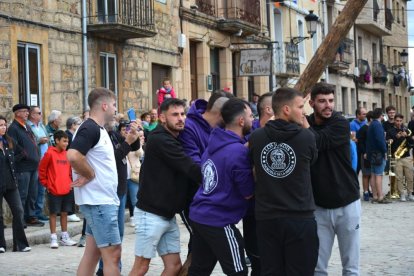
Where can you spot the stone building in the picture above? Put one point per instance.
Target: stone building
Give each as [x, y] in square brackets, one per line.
[368, 60]
[54, 52]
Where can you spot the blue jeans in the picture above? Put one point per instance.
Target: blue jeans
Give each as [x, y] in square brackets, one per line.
[27, 185]
[40, 201]
[121, 222]
[133, 193]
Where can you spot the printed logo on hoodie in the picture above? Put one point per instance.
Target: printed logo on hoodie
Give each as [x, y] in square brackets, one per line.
[210, 177]
[278, 160]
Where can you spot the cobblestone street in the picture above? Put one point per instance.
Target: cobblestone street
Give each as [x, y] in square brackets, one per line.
[387, 248]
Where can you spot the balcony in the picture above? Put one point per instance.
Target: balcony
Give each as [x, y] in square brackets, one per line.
[344, 55]
[364, 72]
[379, 73]
[240, 15]
[121, 19]
[373, 19]
[286, 61]
[389, 19]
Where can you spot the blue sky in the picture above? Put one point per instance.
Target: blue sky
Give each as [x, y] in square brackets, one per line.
[410, 19]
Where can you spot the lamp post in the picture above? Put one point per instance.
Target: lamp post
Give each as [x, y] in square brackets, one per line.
[404, 57]
[311, 24]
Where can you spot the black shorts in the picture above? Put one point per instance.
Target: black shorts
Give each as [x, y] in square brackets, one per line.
[61, 203]
[212, 244]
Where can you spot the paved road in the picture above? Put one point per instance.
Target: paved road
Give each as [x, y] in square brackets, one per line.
[387, 248]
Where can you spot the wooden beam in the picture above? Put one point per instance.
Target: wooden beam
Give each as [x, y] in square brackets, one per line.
[329, 46]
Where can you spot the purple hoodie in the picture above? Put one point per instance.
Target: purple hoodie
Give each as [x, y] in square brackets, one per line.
[227, 181]
[195, 135]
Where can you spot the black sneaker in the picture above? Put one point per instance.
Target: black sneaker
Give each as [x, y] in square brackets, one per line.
[34, 222]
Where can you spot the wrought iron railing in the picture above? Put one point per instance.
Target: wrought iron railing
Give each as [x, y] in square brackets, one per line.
[286, 58]
[379, 73]
[137, 13]
[246, 10]
[207, 7]
[389, 19]
[346, 51]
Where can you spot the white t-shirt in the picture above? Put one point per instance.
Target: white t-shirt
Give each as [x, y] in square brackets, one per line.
[93, 141]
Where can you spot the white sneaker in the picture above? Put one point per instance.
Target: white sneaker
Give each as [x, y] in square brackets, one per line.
[410, 198]
[403, 197]
[131, 222]
[54, 242]
[73, 218]
[26, 249]
[67, 241]
[2, 250]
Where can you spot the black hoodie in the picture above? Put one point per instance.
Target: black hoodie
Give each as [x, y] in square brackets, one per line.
[282, 153]
[335, 183]
[165, 175]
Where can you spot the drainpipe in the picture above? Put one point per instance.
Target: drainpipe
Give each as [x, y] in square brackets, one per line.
[270, 46]
[325, 32]
[85, 55]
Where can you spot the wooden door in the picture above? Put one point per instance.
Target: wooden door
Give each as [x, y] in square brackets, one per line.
[159, 73]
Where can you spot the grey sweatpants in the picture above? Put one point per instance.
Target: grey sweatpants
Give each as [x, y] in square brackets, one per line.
[343, 222]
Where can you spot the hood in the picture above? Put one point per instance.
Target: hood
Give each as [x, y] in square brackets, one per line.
[196, 112]
[335, 116]
[220, 138]
[55, 150]
[281, 129]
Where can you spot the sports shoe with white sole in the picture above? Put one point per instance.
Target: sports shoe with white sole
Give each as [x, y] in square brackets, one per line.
[73, 218]
[54, 242]
[67, 241]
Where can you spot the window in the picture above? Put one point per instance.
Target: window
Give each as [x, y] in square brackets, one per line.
[345, 101]
[403, 16]
[396, 57]
[215, 68]
[389, 56]
[302, 58]
[29, 74]
[360, 53]
[162, 1]
[315, 42]
[107, 10]
[109, 72]
[374, 53]
[397, 12]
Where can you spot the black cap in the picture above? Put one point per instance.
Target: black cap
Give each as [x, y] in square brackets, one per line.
[20, 106]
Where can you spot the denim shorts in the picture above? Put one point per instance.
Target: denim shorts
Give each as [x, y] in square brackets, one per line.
[155, 233]
[378, 170]
[102, 224]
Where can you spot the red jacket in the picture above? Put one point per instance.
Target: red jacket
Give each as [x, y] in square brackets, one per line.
[162, 92]
[55, 172]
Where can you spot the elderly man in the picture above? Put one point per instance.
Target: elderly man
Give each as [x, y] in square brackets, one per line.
[42, 140]
[27, 160]
[53, 122]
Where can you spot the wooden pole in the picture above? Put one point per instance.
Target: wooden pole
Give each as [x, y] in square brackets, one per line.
[329, 46]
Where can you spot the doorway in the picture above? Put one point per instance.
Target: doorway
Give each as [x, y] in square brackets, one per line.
[159, 73]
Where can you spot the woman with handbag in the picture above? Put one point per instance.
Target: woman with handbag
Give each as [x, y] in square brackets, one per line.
[134, 166]
[9, 191]
[376, 151]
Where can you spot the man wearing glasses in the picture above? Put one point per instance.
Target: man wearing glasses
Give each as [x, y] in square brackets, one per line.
[42, 141]
[27, 157]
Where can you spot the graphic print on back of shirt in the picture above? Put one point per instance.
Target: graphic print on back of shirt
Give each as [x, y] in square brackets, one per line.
[278, 160]
[210, 177]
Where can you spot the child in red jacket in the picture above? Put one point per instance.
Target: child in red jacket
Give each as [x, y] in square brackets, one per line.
[165, 92]
[55, 175]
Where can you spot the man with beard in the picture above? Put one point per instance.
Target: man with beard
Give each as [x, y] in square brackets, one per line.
[335, 184]
[221, 202]
[201, 119]
[282, 153]
[164, 179]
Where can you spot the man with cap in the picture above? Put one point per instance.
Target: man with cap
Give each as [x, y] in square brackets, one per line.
[27, 159]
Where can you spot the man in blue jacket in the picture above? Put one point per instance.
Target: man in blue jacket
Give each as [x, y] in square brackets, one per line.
[221, 201]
